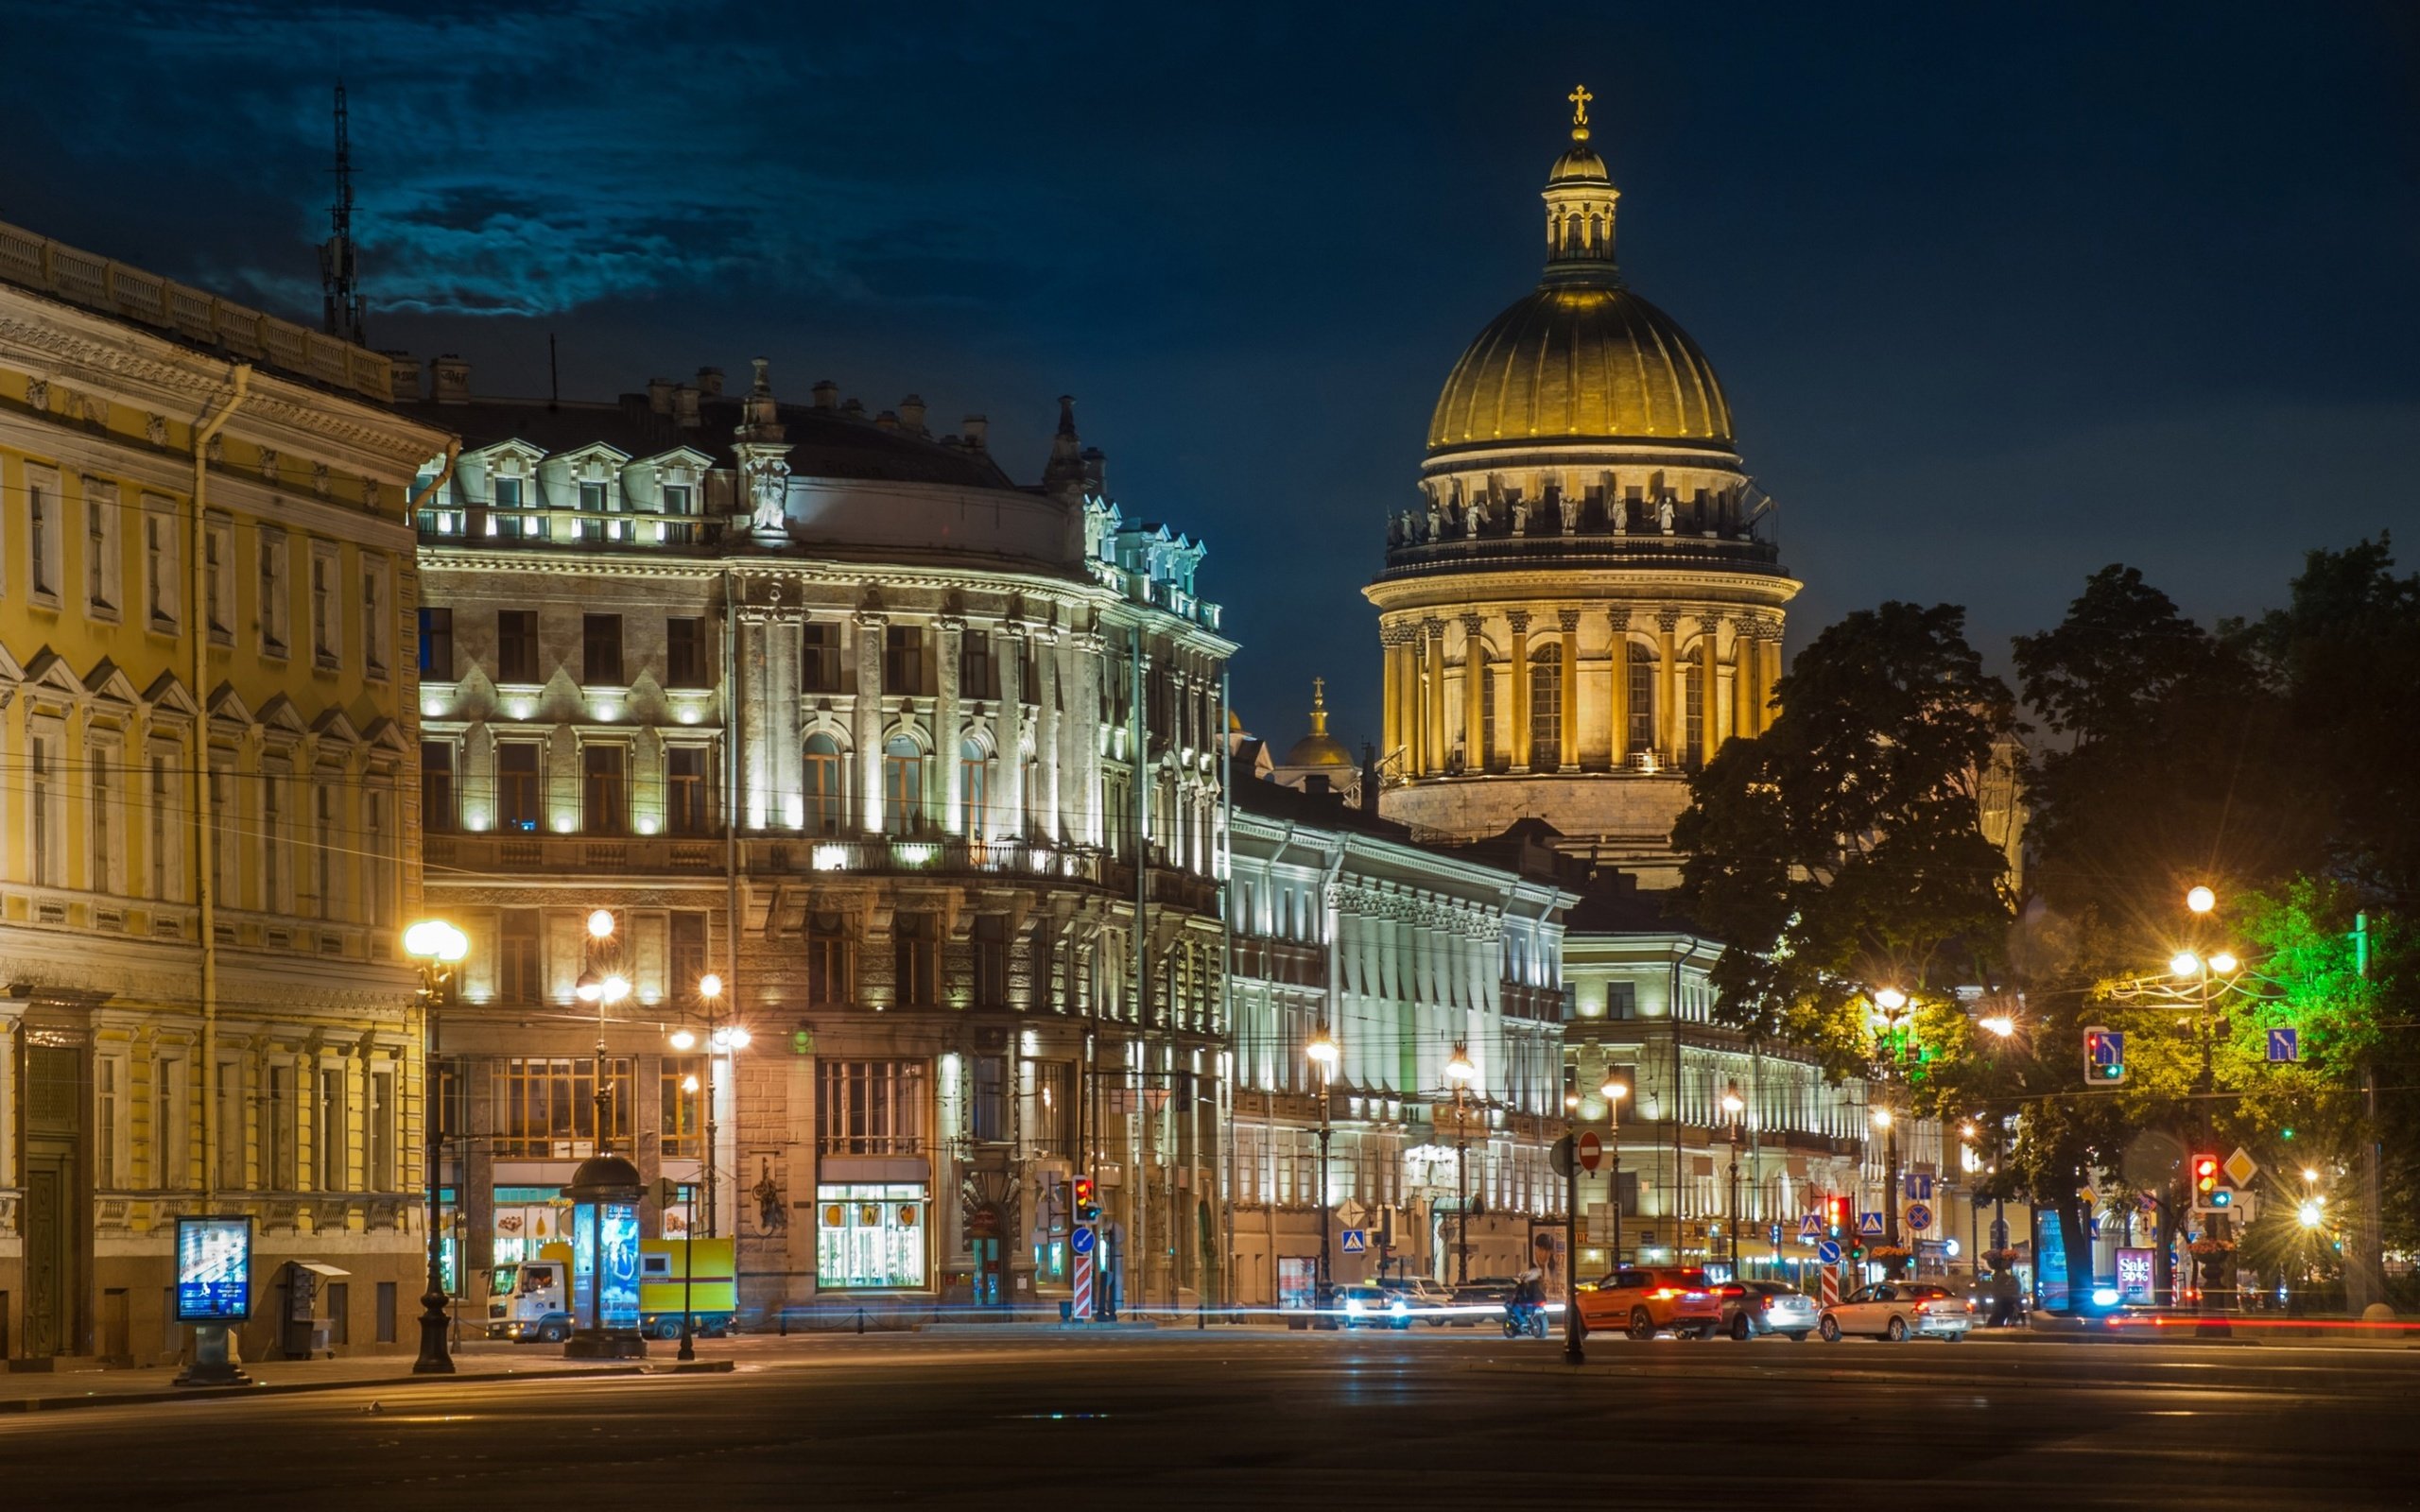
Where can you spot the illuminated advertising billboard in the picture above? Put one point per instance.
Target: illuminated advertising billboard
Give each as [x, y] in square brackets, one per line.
[618, 1263]
[214, 1270]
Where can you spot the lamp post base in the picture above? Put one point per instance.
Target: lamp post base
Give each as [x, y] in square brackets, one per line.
[434, 1360]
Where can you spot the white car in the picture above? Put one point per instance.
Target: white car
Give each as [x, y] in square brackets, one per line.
[1900, 1310]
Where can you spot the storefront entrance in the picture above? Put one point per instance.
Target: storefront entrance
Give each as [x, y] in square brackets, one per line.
[55, 1202]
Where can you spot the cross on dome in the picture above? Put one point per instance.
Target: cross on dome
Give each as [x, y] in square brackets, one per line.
[1580, 99]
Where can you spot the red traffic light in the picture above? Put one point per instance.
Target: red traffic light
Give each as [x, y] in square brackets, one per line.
[2205, 1173]
[1088, 1207]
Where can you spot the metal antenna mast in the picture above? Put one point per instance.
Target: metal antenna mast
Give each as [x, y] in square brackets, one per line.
[339, 269]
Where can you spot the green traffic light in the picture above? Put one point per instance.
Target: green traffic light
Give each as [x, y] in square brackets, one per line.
[2286, 1133]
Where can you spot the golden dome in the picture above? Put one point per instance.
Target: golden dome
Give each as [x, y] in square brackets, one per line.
[1318, 748]
[1581, 361]
[1580, 163]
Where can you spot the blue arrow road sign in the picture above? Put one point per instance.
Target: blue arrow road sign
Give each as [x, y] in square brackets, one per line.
[1810, 1228]
[1081, 1240]
[1828, 1252]
[1919, 1186]
[2285, 1045]
[1355, 1240]
[1869, 1225]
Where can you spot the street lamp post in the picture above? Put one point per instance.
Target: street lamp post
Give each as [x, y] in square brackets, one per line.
[1614, 1091]
[438, 947]
[721, 1040]
[1460, 1072]
[1731, 1109]
[1322, 1053]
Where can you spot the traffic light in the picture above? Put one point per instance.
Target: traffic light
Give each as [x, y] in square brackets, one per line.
[2104, 1055]
[2206, 1183]
[1836, 1215]
[1087, 1205]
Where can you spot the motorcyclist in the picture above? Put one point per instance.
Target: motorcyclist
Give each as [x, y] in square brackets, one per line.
[1529, 1297]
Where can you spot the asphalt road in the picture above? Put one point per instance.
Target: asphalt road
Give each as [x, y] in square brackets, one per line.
[1249, 1419]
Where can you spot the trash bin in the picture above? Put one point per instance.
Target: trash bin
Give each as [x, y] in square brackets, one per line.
[304, 1325]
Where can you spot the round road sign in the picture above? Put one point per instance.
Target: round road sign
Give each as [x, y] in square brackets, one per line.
[1592, 1152]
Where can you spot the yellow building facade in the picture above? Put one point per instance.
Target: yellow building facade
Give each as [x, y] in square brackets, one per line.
[208, 831]
[1587, 599]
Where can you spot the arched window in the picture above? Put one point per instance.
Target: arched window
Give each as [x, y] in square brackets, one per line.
[822, 780]
[1546, 708]
[1642, 699]
[971, 770]
[903, 786]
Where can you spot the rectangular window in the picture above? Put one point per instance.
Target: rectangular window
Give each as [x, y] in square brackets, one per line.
[1621, 1000]
[109, 1110]
[688, 951]
[916, 949]
[171, 1142]
[679, 498]
[41, 521]
[324, 840]
[685, 654]
[274, 591]
[47, 839]
[218, 580]
[273, 839]
[327, 643]
[975, 664]
[100, 546]
[229, 1093]
[601, 650]
[871, 1235]
[871, 1108]
[604, 790]
[987, 1103]
[379, 1117]
[165, 830]
[161, 568]
[827, 959]
[820, 660]
[547, 1108]
[688, 786]
[592, 523]
[516, 786]
[223, 865]
[378, 854]
[277, 1130]
[438, 809]
[516, 645]
[517, 957]
[386, 1311]
[682, 1095]
[436, 644]
[1054, 1107]
[990, 961]
[328, 1130]
[376, 627]
[101, 799]
[903, 659]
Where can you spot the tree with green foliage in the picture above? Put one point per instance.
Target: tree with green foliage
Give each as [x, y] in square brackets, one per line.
[1844, 847]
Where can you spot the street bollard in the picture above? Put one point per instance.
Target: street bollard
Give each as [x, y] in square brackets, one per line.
[861, 1320]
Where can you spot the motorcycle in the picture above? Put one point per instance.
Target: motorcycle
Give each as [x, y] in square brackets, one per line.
[1525, 1317]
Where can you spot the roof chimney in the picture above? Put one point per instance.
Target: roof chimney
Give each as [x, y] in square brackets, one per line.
[405, 376]
[976, 426]
[827, 395]
[887, 420]
[912, 416]
[453, 377]
[852, 409]
[685, 407]
[659, 395]
[710, 382]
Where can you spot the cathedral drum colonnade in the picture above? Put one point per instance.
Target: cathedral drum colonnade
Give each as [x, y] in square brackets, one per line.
[1587, 599]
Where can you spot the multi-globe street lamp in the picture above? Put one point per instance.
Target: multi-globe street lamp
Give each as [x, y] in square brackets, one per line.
[437, 947]
[1614, 1091]
[721, 1039]
[1733, 1106]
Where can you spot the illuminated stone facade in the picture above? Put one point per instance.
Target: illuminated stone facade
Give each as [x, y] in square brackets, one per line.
[825, 704]
[207, 840]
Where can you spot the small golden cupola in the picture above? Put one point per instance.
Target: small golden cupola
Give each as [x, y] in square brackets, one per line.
[1318, 748]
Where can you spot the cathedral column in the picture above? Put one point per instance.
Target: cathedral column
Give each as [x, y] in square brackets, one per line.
[1008, 804]
[1768, 665]
[1390, 642]
[1618, 699]
[866, 728]
[1518, 715]
[1668, 691]
[947, 723]
[1743, 720]
[1568, 757]
[1709, 716]
[1473, 695]
[1432, 756]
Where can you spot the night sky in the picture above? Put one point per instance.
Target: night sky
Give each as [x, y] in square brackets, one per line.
[1998, 294]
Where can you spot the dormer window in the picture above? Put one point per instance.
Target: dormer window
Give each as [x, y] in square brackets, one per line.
[592, 523]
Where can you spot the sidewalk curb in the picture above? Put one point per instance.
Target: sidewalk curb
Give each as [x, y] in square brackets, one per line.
[285, 1389]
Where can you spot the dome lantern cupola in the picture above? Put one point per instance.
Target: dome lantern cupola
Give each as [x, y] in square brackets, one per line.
[1581, 197]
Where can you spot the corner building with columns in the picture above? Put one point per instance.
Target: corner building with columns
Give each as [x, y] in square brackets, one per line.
[920, 762]
[1587, 599]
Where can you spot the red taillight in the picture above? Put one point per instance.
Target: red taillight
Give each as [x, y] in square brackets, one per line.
[1665, 1293]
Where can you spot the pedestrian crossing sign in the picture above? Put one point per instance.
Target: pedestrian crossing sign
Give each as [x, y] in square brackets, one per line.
[1869, 1225]
[1356, 1240]
[1810, 1228]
